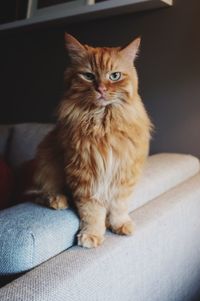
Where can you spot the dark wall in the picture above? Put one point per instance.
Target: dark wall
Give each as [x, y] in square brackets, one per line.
[32, 64]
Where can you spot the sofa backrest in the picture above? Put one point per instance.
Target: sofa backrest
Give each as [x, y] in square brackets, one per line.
[22, 141]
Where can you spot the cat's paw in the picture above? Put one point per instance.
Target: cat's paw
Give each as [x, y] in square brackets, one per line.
[126, 228]
[88, 240]
[58, 202]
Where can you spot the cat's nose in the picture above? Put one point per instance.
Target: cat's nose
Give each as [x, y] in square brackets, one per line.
[102, 90]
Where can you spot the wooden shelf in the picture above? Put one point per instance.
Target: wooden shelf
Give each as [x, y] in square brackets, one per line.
[59, 14]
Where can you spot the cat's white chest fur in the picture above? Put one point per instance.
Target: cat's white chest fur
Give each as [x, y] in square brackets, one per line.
[105, 187]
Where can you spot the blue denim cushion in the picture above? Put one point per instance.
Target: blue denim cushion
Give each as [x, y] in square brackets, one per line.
[31, 234]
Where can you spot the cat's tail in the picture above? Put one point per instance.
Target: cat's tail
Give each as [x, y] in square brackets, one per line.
[36, 196]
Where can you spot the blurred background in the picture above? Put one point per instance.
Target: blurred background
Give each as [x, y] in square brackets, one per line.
[32, 62]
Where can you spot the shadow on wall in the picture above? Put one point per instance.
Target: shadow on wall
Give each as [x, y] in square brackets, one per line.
[32, 65]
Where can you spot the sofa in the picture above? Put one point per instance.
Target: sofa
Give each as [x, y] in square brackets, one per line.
[40, 260]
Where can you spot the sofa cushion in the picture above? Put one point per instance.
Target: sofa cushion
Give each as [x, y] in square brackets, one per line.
[24, 141]
[30, 234]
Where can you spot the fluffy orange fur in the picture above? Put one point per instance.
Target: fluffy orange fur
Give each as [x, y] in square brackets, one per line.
[98, 148]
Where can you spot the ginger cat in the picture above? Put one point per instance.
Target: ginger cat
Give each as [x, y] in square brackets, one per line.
[100, 143]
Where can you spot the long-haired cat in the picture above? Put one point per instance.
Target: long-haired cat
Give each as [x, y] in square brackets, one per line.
[100, 142]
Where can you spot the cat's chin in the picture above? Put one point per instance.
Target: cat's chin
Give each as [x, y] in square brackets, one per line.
[102, 102]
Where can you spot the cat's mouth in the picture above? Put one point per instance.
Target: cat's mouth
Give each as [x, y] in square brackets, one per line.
[100, 96]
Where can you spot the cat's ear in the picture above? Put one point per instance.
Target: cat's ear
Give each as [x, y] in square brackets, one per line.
[74, 48]
[130, 51]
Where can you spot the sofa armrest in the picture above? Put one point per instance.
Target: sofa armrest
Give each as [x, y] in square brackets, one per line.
[160, 262]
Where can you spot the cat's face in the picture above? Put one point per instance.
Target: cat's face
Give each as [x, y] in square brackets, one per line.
[101, 76]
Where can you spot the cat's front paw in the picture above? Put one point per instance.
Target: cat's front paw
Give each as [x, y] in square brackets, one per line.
[58, 202]
[88, 240]
[126, 228]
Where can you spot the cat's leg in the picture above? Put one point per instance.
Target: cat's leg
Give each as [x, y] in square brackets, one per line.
[118, 219]
[58, 201]
[52, 197]
[53, 200]
[50, 184]
[49, 174]
[92, 227]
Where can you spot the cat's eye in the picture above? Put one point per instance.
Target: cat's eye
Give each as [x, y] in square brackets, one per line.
[88, 76]
[115, 76]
